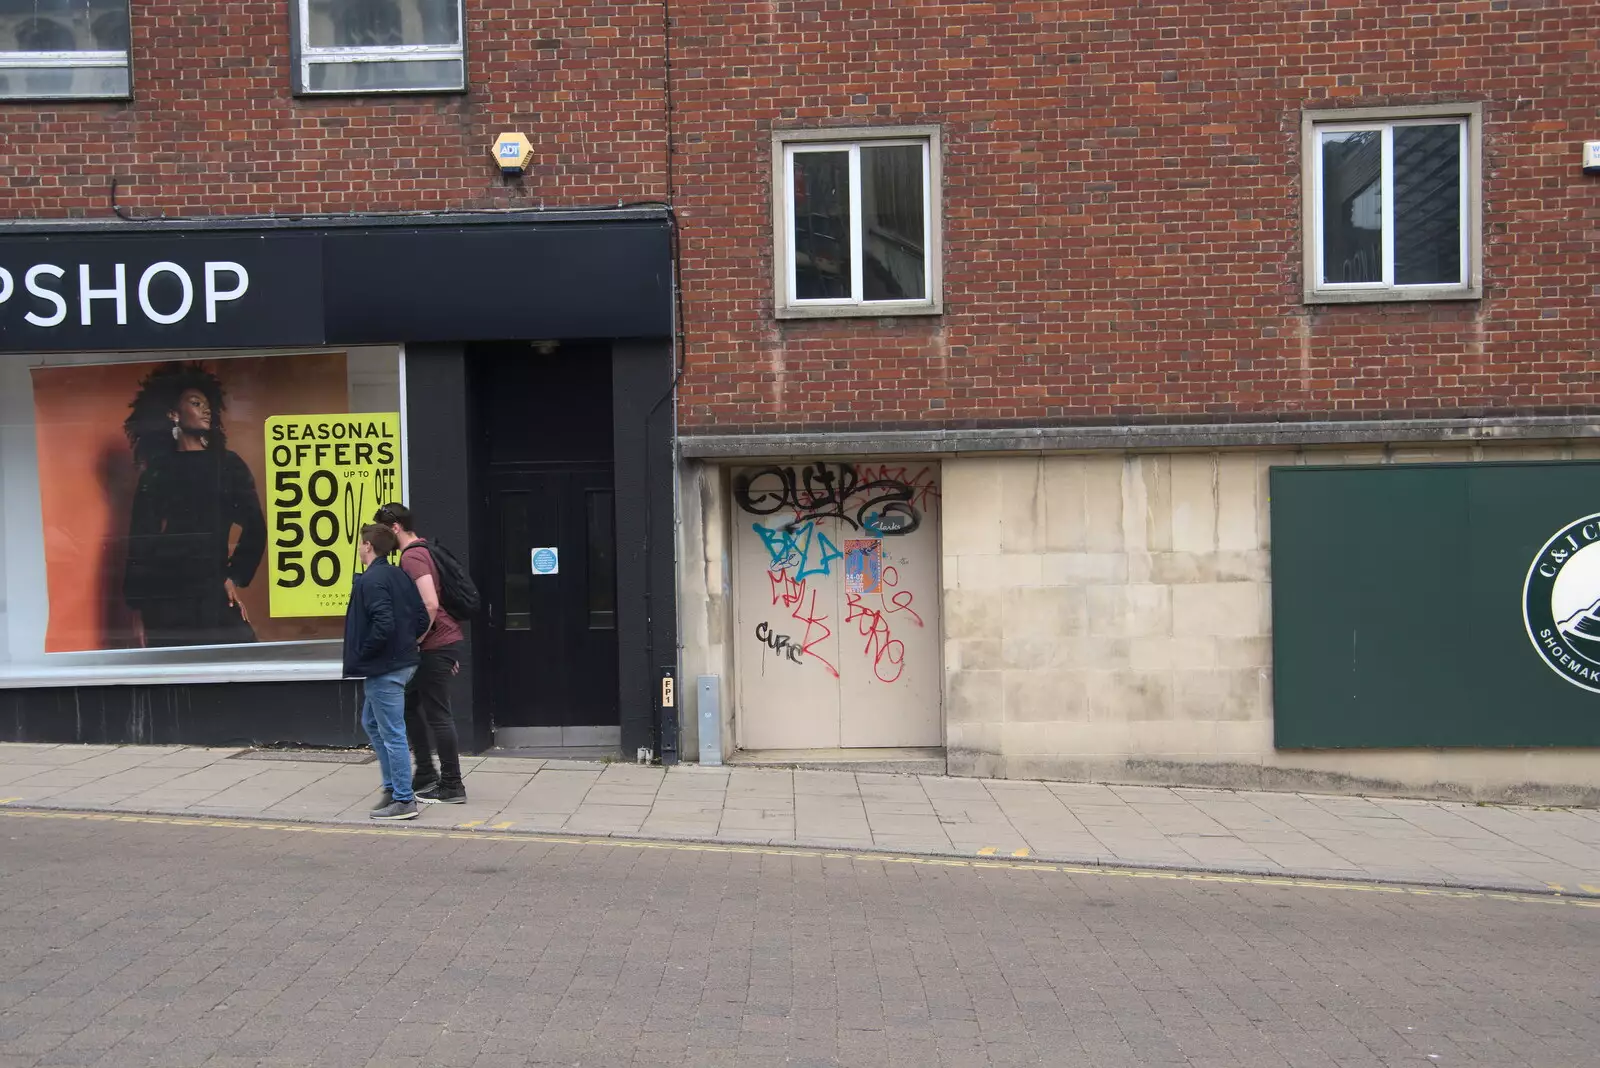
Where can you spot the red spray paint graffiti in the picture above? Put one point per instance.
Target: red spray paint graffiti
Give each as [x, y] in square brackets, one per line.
[802, 603]
[887, 653]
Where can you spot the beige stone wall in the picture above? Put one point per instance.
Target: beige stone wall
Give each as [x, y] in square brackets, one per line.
[1108, 617]
[704, 601]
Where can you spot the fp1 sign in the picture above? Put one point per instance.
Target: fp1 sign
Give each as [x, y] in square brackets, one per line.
[326, 475]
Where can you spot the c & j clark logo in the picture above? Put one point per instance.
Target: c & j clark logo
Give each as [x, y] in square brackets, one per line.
[1561, 603]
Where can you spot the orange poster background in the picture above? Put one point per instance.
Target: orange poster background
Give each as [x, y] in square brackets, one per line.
[87, 479]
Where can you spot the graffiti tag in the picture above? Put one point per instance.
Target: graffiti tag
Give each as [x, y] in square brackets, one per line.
[805, 548]
[880, 501]
[779, 643]
[802, 604]
[887, 653]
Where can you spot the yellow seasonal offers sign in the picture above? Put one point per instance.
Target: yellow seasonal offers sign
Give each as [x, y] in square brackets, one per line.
[326, 475]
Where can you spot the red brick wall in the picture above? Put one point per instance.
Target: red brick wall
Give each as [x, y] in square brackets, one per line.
[1121, 188]
[214, 129]
[1122, 211]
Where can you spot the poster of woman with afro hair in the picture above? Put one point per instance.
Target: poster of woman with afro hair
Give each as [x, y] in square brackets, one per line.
[182, 578]
[152, 481]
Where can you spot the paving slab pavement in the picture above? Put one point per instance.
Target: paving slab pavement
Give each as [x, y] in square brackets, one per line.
[1445, 843]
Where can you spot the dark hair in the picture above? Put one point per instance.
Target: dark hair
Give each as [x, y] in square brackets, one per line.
[381, 538]
[390, 514]
[149, 428]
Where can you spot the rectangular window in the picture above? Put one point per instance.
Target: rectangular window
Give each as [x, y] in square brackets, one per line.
[378, 46]
[188, 517]
[857, 222]
[1393, 204]
[601, 535]
[64, 50]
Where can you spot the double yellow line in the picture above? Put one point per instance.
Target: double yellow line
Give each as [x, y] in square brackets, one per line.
[982, 863]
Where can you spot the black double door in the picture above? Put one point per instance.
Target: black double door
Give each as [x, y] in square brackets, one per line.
[553, 607]
[548, 544]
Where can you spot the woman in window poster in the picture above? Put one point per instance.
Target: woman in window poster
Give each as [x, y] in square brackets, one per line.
[181, 578]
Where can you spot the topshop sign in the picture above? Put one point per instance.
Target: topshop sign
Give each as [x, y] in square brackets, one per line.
[225, 284]
[40, 276]
[130, 292]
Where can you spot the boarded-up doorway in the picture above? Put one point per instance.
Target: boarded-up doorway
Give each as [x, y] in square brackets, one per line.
[836, 573]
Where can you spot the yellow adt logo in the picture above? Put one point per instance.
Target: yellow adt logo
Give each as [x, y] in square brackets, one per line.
[512, 153]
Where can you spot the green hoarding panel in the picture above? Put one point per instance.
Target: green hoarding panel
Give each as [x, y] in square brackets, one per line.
[1436, 605]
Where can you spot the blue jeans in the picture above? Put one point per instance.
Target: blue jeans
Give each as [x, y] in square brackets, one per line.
[383, 715]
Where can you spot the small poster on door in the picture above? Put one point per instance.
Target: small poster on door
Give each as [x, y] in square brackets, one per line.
[547, 561]
[863, 565]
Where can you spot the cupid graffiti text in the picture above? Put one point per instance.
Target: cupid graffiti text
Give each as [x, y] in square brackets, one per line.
[780, 644]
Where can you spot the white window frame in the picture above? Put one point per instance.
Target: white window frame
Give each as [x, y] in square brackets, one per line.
[1313, 123]
[306, 56]
[785, 145]
[72, 60]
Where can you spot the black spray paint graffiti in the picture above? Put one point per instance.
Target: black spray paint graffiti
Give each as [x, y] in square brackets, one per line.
[881, 503]
[781, 644]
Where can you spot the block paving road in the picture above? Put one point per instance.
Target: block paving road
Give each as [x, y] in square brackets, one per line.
[132, 941]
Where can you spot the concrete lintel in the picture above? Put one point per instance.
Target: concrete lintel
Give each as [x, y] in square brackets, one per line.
[1141, 438]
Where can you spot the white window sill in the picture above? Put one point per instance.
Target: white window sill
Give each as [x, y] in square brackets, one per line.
[858, 311]
[1409, 295]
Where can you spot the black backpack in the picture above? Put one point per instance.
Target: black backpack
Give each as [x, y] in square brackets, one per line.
[457, 594]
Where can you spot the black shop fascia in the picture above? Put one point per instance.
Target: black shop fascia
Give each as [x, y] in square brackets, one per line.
[515, 371]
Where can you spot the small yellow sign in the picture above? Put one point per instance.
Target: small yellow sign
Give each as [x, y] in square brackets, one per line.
[326, 475]
[513, 152]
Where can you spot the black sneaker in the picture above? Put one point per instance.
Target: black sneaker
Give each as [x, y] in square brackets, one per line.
[384, 800]
[424, 779]
[398, 810]
[444, 795]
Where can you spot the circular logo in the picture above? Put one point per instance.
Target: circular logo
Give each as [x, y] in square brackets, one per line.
[544, 561]
[1561, 603]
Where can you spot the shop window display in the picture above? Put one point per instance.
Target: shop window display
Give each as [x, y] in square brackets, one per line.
[187, 514]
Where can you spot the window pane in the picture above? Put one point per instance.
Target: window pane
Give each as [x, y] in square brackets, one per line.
[355, 23]
[892, 203]
[602, 561]
[120, 538]
[821, 225]
[1352, 206]
[515, 544]
[63, 25]
[374, 77]
[1427, 204]
[35, 82]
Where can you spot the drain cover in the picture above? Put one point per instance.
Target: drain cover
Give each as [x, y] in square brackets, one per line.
[314, 756]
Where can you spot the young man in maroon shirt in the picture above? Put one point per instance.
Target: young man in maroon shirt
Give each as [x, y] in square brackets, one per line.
[430, 724]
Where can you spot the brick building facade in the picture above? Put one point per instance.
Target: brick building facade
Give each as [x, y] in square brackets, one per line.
[1133, 286]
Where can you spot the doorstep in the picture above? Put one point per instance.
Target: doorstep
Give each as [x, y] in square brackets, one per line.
[909, 761]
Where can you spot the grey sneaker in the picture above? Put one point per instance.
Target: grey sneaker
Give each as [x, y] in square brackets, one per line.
[384, 801]
[397, 810]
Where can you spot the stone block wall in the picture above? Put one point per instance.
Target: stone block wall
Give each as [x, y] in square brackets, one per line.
[1108, 617]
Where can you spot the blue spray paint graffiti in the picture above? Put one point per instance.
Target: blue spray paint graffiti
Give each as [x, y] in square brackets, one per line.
[795, 548]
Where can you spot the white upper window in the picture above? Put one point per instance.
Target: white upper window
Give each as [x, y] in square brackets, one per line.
[1393, 204]
[378, 46]
[64, 50]
[856, 216]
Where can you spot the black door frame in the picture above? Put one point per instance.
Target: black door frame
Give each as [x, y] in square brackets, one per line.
[440, 425]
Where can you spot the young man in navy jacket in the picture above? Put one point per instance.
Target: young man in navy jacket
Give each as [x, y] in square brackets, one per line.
[382, 626]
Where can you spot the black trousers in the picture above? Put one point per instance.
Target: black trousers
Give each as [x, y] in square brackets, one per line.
[430, 725]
